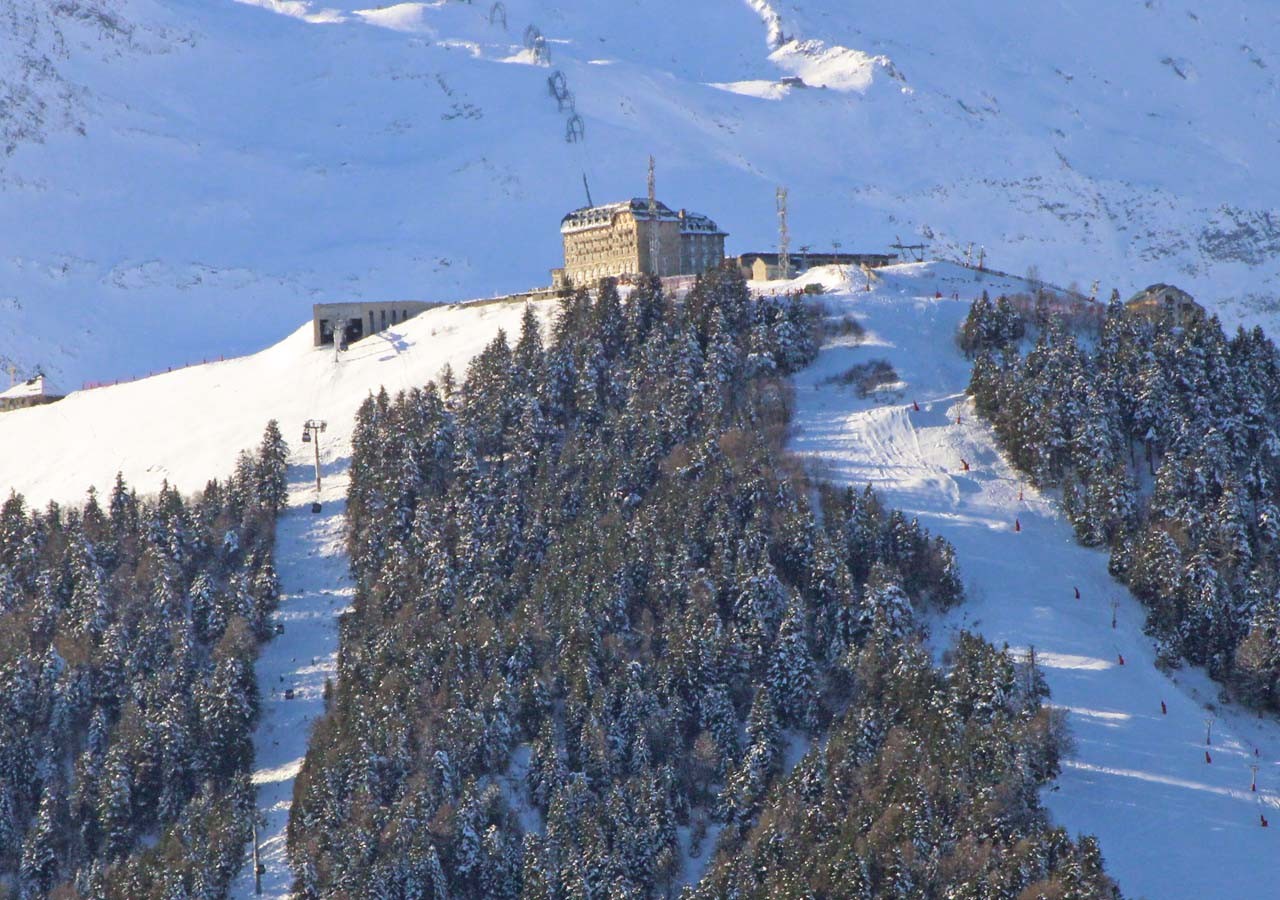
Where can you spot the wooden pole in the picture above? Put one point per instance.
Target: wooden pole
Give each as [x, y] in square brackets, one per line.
[257, 868]
[311, 431]
[316, 440]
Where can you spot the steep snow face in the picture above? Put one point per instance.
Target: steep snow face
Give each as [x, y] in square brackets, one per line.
[184, 178]
[1173, 822]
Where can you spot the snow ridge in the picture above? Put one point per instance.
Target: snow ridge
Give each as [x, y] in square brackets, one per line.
[299, 9]
[813, 61]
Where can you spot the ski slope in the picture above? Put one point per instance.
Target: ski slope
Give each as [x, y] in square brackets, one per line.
[1170, 824]
[181, 179]
[315, 585]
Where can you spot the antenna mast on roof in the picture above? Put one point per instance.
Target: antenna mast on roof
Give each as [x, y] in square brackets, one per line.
[784, 236]
[588, 188]
[653, 221]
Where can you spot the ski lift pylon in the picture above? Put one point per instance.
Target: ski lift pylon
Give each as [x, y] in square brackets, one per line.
[575, 130]
[559, 88]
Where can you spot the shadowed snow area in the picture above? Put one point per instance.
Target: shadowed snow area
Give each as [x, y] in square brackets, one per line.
[1171, 826]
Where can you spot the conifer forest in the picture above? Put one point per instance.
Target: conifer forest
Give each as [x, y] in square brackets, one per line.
[1162, 437]
[127, 692]
[605, 630]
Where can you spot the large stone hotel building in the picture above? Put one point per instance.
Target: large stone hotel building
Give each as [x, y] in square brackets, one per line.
[614, 241]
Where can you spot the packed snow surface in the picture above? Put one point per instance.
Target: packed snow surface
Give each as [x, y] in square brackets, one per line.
[1170, 824]
[181, 179]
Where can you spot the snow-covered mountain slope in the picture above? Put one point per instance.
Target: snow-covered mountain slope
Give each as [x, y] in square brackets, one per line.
[1172, 825]
[180, 179]
[186, 426]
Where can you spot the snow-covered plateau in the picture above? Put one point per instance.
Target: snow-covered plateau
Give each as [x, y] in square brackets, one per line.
[181, 179]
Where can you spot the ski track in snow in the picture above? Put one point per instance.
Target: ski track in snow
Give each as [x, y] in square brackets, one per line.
[316, 588]
[1169, 823]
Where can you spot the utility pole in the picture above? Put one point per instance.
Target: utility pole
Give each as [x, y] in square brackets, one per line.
[311, 431]
[257, 866]
[653, 220]
[784, 236]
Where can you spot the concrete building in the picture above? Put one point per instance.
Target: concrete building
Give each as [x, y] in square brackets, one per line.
[613, 241]
[1164, 301]
[32, 392]
[349, 322]
[765, 266]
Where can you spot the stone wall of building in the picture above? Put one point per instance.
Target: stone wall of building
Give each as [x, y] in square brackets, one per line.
[668, 262]
[596, 251]
[700, 251]
[614, 241]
